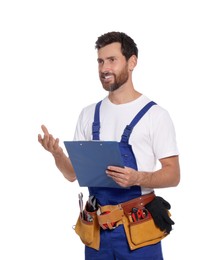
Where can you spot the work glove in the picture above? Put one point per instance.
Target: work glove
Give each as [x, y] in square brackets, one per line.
[158, 209]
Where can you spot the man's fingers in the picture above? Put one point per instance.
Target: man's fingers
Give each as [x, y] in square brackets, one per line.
[47, 140]
[45, 130]
[56, 144]
[116, 169]
[50, 142]
[40, 138]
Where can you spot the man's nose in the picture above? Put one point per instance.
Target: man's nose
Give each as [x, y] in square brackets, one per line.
[105, 67]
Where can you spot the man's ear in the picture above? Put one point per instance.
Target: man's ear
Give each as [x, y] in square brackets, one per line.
[132, 62]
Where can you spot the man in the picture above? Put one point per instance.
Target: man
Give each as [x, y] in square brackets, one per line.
[147, 138]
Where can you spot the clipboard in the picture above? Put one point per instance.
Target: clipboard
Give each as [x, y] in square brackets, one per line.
[90, 160]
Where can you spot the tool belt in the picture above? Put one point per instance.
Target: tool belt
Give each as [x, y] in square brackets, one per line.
[139, 226]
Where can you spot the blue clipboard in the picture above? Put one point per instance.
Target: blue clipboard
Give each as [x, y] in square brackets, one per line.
[90, 160]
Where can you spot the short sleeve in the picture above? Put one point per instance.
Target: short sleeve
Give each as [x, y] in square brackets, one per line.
[164, 136]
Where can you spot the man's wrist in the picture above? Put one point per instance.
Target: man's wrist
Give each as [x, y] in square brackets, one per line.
[140, 178]
[58, 155]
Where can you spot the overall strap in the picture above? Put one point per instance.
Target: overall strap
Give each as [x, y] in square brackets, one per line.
[129, 128]
[96, 122]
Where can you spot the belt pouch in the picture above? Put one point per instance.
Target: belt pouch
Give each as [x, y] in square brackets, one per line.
[89, 232]
[110, 216]
[142, 232]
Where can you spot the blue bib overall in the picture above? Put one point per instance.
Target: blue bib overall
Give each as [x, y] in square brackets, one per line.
[112, 196]
[113, 243]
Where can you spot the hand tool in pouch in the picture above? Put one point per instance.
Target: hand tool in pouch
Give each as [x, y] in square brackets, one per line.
[92, 204]
[80, 195]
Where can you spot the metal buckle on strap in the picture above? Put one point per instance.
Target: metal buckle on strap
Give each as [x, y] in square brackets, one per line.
[126, 134]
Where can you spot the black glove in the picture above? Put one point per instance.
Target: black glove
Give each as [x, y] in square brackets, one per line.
[158, 209]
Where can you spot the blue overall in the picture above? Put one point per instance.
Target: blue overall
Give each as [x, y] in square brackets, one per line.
[113, 245]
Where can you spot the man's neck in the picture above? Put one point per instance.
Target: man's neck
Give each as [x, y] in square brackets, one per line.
[122, 96]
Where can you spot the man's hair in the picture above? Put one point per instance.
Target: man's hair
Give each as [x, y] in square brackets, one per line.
[128, 46]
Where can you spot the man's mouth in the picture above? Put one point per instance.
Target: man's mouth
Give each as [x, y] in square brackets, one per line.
[107, 78]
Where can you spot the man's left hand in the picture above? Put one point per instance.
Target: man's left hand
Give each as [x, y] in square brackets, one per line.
[125, 177]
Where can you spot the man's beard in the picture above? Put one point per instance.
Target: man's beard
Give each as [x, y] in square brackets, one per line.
[118, 80]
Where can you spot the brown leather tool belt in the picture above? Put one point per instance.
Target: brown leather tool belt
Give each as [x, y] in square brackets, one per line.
[110, 216]
[139, 202]
[139, 231]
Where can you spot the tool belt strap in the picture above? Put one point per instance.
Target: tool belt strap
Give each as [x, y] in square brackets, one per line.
[110, 214]
[139, 202]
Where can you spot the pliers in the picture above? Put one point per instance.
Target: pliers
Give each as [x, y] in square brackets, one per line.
[138, 214]
[92, 203]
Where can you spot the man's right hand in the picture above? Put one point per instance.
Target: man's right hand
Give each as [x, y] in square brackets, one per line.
[50, 143]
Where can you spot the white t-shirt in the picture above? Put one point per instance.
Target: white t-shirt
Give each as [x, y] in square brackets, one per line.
[152, 138]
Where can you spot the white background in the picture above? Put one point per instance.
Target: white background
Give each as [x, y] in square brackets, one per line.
[48, 72]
